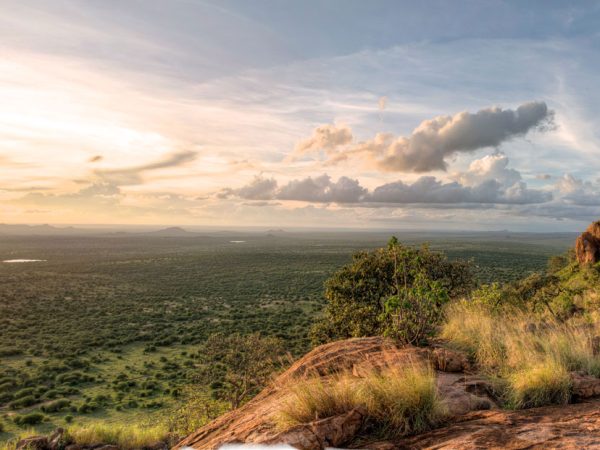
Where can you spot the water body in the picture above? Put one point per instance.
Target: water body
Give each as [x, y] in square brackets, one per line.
[11, 261]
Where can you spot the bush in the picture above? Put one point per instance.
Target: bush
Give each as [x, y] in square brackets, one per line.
[34, 418]
[357, 294]
[23, 402]
[397, 402]
[56, 405]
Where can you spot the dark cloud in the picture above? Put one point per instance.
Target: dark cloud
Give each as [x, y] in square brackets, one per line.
[434, 140]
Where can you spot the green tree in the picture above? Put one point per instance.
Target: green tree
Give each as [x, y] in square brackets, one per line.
[237, 367]
[358, 293]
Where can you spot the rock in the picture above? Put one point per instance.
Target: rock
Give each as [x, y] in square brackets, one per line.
[573, 427]
[107, 447]
[585, 386]
[587, 246]
[55, 440]
[73, 447]
[464, 393]
[300, 437]
[448, 360]
[33, 443]
[339, 430]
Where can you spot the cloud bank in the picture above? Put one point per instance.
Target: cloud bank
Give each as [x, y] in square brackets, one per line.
[433, 141]
[487, 181]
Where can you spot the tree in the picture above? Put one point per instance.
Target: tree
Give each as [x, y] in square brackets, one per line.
[238, 366]
[358, 293]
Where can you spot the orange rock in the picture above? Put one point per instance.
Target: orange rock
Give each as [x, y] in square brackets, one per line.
[587, 246]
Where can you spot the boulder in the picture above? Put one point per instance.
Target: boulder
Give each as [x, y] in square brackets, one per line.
[587, 246]
[33, 443]
[585, 386]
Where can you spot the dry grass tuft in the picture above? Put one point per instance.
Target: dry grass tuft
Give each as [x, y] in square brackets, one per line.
[397, 402]
[126, 437]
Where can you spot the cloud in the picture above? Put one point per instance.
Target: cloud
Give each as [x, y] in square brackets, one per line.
[95, 158]
[258, 189]
[578, 192]
[487, 181]
[325, 137]
[428, 189]
[433, 140]
[321, 189]
[133, 175]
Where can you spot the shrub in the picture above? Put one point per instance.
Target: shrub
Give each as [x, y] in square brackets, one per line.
[56, 405]
[356, 295]
[22, 402]
[34, 418]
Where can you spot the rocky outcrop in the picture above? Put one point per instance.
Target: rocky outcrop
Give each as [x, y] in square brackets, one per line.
[575, 426]
[253, 423]
[587, 246]
[475, 419]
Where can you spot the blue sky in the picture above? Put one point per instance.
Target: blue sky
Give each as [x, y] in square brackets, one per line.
[436, 114]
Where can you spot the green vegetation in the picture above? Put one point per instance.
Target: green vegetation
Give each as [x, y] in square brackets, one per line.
[396, 291]
[113, 328]
[396, 402]
[238, 367]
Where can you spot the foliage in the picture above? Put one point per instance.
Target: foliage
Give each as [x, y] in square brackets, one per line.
[411, 314]
[397, 290]
[33, 418]
[238, 366]
[196, 409]
[397, 402]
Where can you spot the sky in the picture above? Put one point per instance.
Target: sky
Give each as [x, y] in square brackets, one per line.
[466, 115]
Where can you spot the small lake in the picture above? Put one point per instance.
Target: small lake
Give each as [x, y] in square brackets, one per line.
[12, 261]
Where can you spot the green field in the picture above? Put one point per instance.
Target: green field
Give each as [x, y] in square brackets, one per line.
[108, 326]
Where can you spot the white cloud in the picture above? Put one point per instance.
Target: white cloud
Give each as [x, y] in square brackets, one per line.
[433, 141]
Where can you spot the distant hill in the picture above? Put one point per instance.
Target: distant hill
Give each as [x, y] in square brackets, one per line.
[171, 232]
[42, 230]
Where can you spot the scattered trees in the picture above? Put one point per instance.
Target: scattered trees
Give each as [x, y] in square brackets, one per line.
[237, 367]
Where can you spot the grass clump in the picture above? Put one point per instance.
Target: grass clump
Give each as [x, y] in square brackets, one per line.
[318, 398]
[396, 402]
[126, 437]
[542, 384]
[402, 401]
[529, 357]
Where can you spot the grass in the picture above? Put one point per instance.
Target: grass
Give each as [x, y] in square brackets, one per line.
[396, 402]
[530, 358]
[126, 437]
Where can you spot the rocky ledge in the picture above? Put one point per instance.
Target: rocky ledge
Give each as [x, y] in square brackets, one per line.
[476, 421]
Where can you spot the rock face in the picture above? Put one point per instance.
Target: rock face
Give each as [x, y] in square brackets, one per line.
[253, 422]
[574, 426]
[587, 246]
